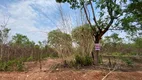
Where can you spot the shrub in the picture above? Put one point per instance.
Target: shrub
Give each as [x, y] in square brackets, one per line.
[53, 55]
[6, 66]
[11, 65]
[128, 61]
[100, 60]
[2, 66]
[29, 58]
[88, 60]
[19, 65]
[79, 61]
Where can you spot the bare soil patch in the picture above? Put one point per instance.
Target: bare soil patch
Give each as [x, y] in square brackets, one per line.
[47, 73]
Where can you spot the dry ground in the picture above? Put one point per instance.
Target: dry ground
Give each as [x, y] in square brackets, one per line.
[47, 73]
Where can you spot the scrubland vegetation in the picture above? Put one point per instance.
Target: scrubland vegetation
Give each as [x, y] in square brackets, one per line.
[60, 45]
[76, 48]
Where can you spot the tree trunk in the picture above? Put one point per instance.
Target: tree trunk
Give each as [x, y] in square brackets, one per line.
[1, 55]
[96, 57]
[95, 53]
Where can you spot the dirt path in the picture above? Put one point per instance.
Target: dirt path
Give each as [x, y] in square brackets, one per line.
[46, 74]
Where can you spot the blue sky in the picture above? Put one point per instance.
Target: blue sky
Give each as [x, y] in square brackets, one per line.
[26, 19]
[35, 18]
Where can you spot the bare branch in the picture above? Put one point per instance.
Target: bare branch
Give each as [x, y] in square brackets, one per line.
[88, 13]
[94, 17]
[110, 11]
[109, 73]
[61, 13]
[6, 22]
[107, 28]
[88, 18]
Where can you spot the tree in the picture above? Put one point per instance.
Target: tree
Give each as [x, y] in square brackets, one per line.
[109, 12]
[82, 37]
[3, 38]
[133, 18]
[22, 40]
[42, 44]
[113, 39]
[60, 41]
[3, 35]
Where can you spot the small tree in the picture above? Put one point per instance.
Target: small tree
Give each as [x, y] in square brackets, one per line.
[113, 39]
[22, 40]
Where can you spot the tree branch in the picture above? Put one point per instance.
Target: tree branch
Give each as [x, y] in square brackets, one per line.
[109, 8]
[110, 11]
[94, 17]
[88, 18]
[107, 28]
[109, 73]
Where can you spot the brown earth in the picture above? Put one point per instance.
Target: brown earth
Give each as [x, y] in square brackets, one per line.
[49, 73]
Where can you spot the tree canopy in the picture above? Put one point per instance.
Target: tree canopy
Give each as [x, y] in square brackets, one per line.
[133, 18]
[21, 40]
[104, 13]
[108, 14]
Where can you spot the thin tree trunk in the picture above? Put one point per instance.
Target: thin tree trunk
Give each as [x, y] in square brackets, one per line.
[1, 56]
[96, 57]
[95, 53]
[40, 63]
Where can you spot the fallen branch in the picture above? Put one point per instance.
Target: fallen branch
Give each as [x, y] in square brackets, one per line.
[109, 73]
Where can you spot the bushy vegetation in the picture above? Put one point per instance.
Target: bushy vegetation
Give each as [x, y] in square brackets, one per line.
[128, 61]
[85, 60]
[79, 61]
[16, 56]
[19, 50]
[12, 65]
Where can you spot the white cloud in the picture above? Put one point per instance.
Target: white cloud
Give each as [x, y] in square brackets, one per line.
[23, 18]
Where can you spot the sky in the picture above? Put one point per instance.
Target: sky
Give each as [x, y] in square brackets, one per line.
[25, 18]
[35, 18]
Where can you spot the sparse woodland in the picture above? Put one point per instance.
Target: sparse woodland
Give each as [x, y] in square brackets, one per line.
[76, 48]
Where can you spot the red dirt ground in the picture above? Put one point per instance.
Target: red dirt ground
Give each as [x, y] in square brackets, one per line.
[34, 73]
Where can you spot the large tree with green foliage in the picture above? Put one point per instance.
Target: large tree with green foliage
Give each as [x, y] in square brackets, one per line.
[106, 14]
